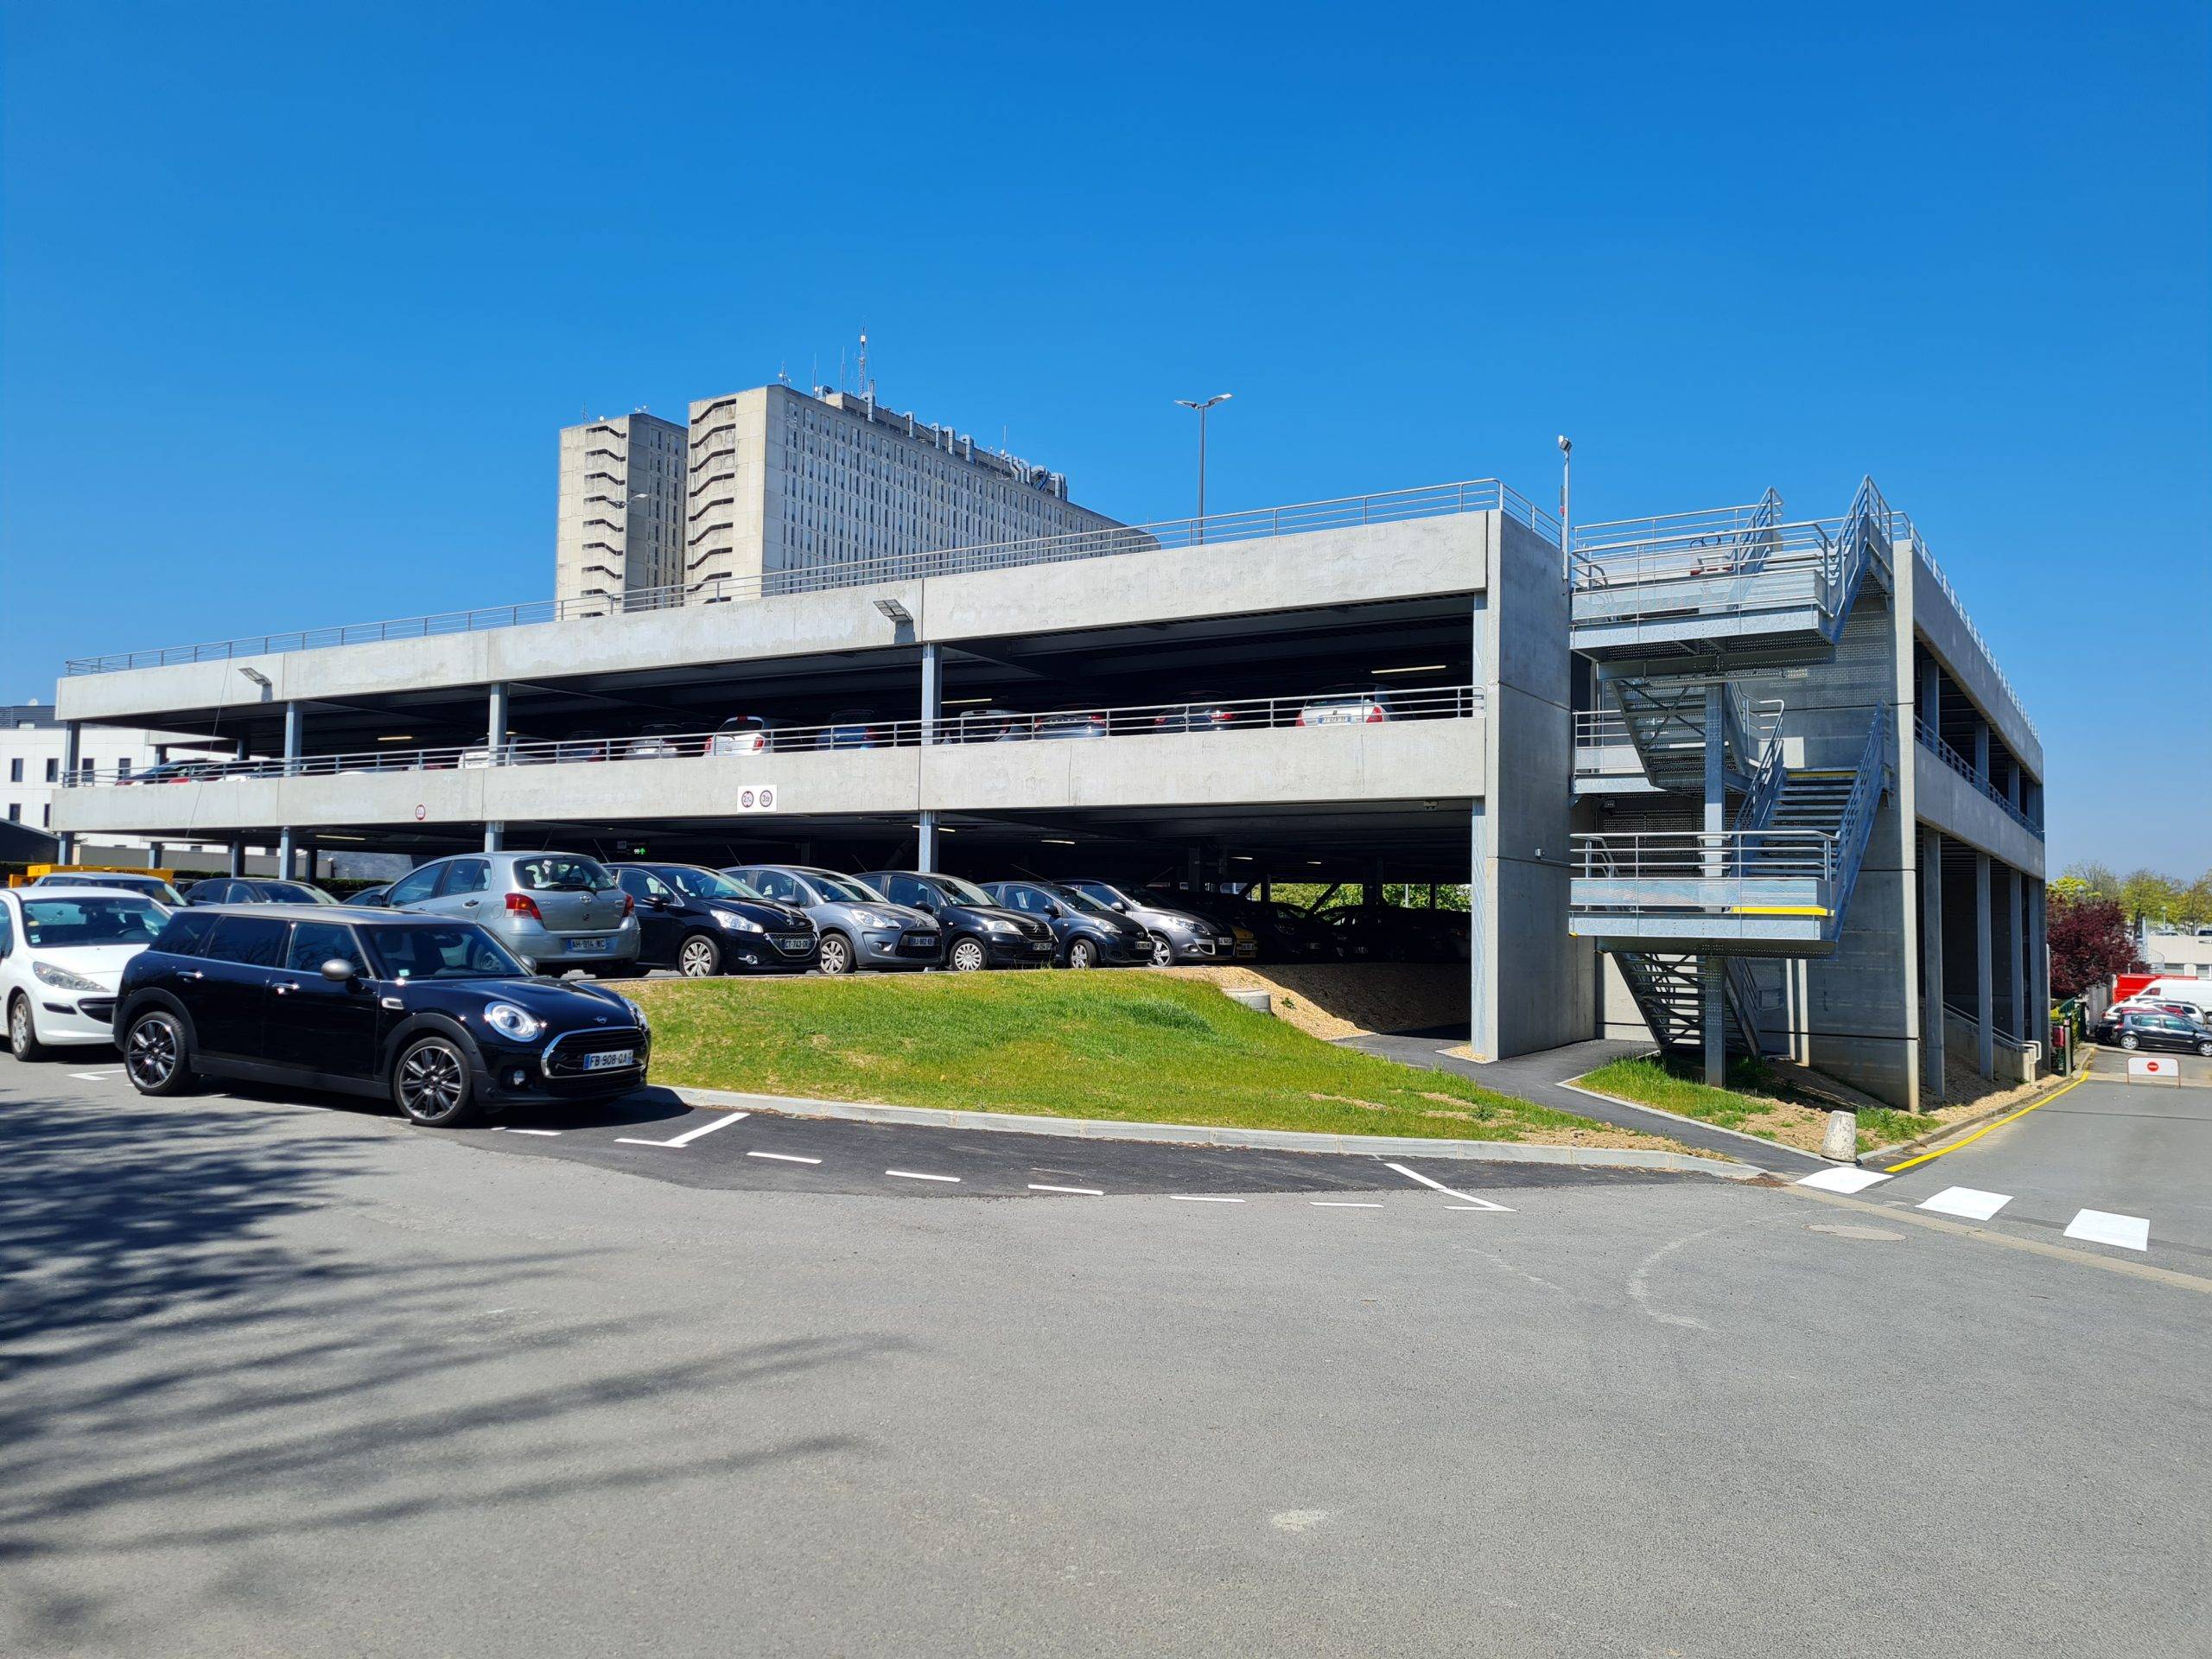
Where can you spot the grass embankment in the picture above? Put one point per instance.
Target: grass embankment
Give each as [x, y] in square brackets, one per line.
[1135, 1046]
[1756, 1102]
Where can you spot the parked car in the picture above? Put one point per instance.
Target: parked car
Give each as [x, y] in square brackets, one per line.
[988, 726]
[373, 898]
[151, 887]
[701, 923]
[62, 953]
[237, 890]
[177, 771]
[1346, 705]
[659, 741]
[1085, 934]
[2174, 1031]
[1205, 713]
[1281, 932]
[589, 744]
[1395, 933]
[979, 931]
[434, 1015]
[860, 927]
[554, 910]
[1177, 935]
[742, 735]
[1090, 724]
[853, 729]
[2195, 994]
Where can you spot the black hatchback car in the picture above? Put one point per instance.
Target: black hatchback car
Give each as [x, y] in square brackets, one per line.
[2174, 1031]
[979, 931]
[434, 1015]
[701, 923]
[1088, 934]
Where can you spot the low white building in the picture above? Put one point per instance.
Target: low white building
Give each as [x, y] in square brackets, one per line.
[34, 749]
[2178, 953]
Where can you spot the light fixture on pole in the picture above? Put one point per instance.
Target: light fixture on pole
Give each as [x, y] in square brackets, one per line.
[1201, 406]
[1566, 480]
[259, 679]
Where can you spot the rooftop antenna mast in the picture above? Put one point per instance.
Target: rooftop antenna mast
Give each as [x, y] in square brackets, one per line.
[866, 387]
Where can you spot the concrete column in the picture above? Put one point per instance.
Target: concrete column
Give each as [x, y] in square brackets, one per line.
[495, 837]
[308, 853]
[237, 864]
[1482, 974]
[1985, 1001]
[932, 693]
[1194, 867]
[925, 843]
[495, 725]
[1712, 1000]
[1981, 749]
[2038, 969]
[285, 850]
[1373, 885]
[2015, 951]
[1930, 711]
[1931, 962]
[293, 733]
[70, 738]
[154, 855]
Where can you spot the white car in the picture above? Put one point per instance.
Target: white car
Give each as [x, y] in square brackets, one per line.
[62, 951]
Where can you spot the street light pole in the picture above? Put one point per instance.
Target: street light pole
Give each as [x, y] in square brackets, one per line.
[1201, 406]
[1565, 497]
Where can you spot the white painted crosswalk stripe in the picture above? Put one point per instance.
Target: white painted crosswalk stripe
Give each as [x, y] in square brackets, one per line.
[2103, 1227]
[1970, 1202]
[1843, 1179]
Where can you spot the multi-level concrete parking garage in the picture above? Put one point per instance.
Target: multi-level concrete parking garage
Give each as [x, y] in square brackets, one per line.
[1738, 780]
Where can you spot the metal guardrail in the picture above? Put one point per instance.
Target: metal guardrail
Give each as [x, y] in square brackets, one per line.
[1932, 741]
[1902, 528]
[1701, 856]
[1435, 500]
[979, 726]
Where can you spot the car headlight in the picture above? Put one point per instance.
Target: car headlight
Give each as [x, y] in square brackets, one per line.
[1000, 924]
[61, 979]
[637, 1014]
[870, 919]
[519, 1024]
[735, 923]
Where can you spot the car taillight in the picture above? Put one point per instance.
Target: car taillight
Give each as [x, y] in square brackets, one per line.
[521, 904]
[629, 905]
[1373, 715]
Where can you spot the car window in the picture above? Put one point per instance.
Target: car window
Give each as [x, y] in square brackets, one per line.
[187, 933]
[465, 875]
[442, 951]
[651, 886]
[844, 889]
[6, 929]
[414, 887]
[563, 873]
[210, 893]
[294, 892]
[961, 891]
[905, 890]
[632, 882]
[774, 884]
[256, 941]
[65, 924]
[316, 942]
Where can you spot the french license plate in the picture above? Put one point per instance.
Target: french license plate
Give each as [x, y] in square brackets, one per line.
[587, 947]
[793, 942]
[922, 941]
[1331, 717]
[613, 1060]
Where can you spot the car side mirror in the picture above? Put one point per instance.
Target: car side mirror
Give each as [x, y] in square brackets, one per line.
[339, 971]
[659, 901]
[925, 905]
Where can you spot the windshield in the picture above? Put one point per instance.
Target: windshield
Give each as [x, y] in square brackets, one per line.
[1082, 900]
[441, 951]
[963, 893]
[842, 889]
[563, 874]
[70, 924]
[691, 880]
[295, 893]
[1104, 894]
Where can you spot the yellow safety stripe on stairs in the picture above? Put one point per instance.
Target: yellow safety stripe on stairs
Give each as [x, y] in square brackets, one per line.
[1780, 909]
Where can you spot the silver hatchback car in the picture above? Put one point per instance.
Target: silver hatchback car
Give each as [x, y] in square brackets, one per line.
[555, 910]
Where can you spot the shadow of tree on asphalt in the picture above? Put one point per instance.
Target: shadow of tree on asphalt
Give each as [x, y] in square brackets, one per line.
[182, 1373]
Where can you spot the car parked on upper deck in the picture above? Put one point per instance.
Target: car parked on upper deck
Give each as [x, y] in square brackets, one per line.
[554, 910]
[853, 729]
[62, 953]
[701, 923]
[743, 735]
[860, 927]
[431, 1013]
[979, 931]
[1347, 705]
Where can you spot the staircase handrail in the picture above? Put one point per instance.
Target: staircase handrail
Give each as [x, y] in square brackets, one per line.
[1864, 538]
[1855, 824]
[1759, 539]
[1758, 809]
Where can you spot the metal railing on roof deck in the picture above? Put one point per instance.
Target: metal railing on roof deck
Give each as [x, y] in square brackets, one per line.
[1702, 855]
[1716, 523]
[859, 730]
[1932, 741]
[1433, 500]
[1901, 529]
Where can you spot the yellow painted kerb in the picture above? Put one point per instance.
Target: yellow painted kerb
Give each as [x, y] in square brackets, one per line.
[2032, 1105]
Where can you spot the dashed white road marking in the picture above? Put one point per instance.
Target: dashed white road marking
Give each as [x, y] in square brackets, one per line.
[1970, 1202]
[784, 1157]
[1843, 1179]
[1469, 1200]
[1341, 1204]
[1201, 1197]
[911, 1175]
[95, 1076]
[1081, 1191]
[2103, 1227]
[502, 1129]
[689, 1135]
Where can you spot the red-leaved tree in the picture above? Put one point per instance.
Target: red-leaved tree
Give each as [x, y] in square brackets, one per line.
[2089, 943]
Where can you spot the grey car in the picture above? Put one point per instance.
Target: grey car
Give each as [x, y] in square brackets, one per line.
[860, 928]
[555, 910]
[1177, 935]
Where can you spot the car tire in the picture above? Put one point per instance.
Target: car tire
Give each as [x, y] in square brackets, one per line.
[1081, 953]
[155, 1055]
[22, 1030]
[967, 957]
[836, 954]
[699, 957]
[2131, 1040]
[1163, 953]
[430, 1084]
[2205, 1049]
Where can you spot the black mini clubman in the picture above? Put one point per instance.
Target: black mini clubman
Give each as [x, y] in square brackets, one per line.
[435, 1015]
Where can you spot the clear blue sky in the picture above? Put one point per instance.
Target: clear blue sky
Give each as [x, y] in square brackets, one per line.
[297, 296]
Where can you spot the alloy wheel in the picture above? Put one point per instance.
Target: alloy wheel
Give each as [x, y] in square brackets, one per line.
[699, 959]
[2131, 1041]
[432, 1083]
[837, 958]
[153, 1055]
[1163, 954]
[22, 1038]
[1082, 953]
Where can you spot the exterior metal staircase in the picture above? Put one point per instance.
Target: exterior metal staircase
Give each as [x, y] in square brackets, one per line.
[1668, 994]
[1665, 720]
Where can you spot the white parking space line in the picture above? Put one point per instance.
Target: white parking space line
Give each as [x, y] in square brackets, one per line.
[911, 1175]
[1081, 1191]
[501, 1128]
[1970, 1202]
[2103, 1227]
[784, 1157]
[689, 1135]
[1470, 1201]
[94, 1076]
[1843, 1179]
[1201, 1197]
[1341, 1204]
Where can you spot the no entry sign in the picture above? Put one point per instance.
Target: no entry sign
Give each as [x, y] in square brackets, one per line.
[2153, 1068]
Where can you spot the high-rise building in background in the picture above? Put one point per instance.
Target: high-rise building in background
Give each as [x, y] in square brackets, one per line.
[620, 531]
[784, 481]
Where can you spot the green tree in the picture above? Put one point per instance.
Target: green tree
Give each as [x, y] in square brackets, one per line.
[2147, 896]
[2097, 880]
[2194, 908]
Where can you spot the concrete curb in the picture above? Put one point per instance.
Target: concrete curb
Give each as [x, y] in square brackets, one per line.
[1199, 1134]
[1965, 1125]
[1759, 1141]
